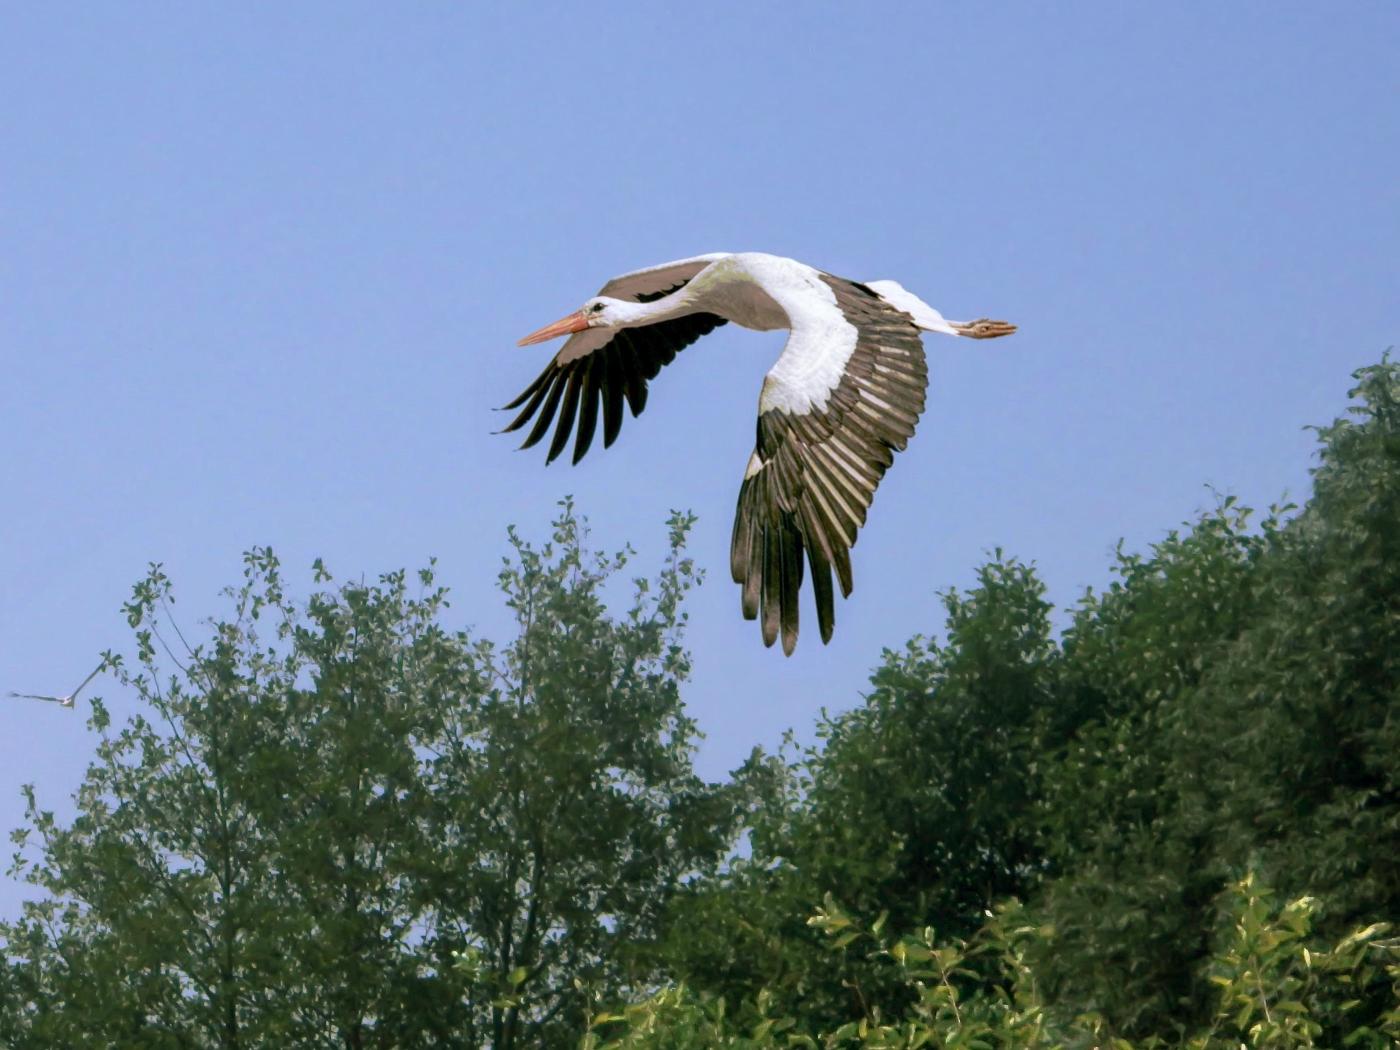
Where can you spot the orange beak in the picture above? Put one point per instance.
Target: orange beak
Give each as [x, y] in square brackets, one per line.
[575, 322]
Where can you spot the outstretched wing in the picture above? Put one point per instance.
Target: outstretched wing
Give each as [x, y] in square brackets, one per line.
[655, 281]
[66, 701]
[83, 684]
[820, 455]
[600, 367]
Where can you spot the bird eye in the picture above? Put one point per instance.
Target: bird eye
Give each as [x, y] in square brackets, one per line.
[596, 308]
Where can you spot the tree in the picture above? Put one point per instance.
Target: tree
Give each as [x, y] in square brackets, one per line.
[341, 823]
[568, 787]
[1244, 715]
[1131, 874]
[918, 804]
[1231, 704]
[346, 824]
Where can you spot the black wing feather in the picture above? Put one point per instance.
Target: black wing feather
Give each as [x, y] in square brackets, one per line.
[588, 409]
[616, 371]
[566, 415]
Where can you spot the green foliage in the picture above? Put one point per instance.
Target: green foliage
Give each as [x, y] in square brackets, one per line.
[1133, 873]
[1228, 704]
[341, 823]
[1241, 712]
[1275, 991]
[1273, 984]
[918, 804]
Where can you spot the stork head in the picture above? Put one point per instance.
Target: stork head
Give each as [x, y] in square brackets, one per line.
[598, 312]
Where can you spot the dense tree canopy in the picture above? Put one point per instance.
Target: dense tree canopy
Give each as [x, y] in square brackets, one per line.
[1230, 704]
[342, 824]
[337, 822]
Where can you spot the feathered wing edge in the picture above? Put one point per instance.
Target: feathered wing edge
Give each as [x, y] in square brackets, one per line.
[813, 475]
[619, 369]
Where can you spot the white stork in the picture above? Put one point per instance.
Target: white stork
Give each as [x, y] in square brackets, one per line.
[67, 700]
[843, 397]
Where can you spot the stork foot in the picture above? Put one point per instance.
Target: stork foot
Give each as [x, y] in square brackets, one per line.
[984, 328]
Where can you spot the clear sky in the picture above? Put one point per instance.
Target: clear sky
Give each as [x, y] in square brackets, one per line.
[263, 266]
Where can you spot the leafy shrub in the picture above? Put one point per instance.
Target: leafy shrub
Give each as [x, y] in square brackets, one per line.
[1276, 987]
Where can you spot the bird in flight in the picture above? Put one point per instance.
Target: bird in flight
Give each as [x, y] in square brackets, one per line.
[842, 398]
[62, 701]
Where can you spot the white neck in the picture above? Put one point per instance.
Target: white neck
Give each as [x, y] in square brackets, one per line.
[632, 315]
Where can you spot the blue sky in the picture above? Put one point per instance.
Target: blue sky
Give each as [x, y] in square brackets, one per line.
[262, 269]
